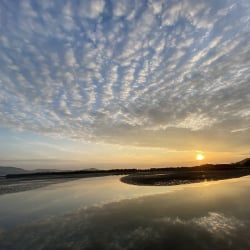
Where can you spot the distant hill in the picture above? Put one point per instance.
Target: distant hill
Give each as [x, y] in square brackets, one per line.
[244, 163]
[241, 164]
[42, 172]
[12, 170]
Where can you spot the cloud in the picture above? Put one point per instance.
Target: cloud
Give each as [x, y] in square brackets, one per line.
[92, 8]
[125, 73]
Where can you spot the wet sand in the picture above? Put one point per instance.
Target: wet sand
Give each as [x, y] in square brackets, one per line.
[30, 182]
[13, 186]
[183, 177]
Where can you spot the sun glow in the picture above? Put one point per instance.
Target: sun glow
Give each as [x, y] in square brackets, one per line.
[200, 157]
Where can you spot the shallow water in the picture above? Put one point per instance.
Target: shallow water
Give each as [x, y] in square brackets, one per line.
[103, 213]
[56, 199]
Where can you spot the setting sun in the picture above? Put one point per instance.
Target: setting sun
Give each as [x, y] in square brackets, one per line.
[199, 157]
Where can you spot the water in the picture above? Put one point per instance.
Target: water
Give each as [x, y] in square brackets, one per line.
[103, 213]
[24, 207]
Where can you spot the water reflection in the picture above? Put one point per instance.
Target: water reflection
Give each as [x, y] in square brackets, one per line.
[197, 216]
[67, 196]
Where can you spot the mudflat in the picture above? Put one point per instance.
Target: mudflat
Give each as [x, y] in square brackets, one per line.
[178, 177]
[8, 186]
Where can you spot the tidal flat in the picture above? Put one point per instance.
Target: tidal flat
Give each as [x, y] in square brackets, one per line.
[104, 213]
[183, 177]
[21, 185]
[12, 183]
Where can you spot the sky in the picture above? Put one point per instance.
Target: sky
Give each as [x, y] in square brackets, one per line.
[120, 84]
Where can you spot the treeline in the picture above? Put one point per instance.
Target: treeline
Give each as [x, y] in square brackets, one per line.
[91, 173]
[74, 173]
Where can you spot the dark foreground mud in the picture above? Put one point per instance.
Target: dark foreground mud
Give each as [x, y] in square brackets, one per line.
[183, 177]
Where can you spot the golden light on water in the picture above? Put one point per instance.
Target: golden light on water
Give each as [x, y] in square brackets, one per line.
[200, 157]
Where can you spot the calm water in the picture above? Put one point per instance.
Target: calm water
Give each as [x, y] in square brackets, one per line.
[103, 213]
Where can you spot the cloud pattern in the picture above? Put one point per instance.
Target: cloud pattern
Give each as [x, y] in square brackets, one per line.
[129, 72]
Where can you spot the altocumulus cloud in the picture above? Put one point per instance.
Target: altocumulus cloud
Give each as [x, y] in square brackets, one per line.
[128, 72]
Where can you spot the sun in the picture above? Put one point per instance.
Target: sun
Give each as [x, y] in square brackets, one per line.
[200, 157]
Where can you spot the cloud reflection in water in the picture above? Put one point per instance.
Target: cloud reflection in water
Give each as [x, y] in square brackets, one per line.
[198, 217]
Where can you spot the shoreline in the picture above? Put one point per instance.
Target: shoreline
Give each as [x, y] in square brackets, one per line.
[13, 183]
[16, 186]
